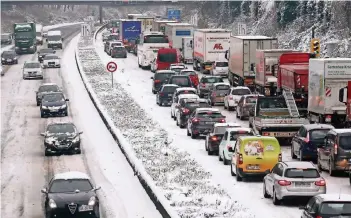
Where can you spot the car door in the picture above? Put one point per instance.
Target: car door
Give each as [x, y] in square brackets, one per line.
[223, 143]
[236, 152]
[240, 105]
[296, 140]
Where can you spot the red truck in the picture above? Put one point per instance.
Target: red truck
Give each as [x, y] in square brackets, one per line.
[293, 76]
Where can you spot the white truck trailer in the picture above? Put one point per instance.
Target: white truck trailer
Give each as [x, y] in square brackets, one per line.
[176, 31]
[187, 50]
[146, 21]
[160, 25]
[39, 34]
[210, 45]
[54, 39]
[326, 77]
[242, 58]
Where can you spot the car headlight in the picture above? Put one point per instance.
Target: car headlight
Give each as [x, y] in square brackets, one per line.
[2, 58]
[63, 106]
[16, 47]
[52, 204]
[44, 107]
[31, 47]
[49, 141]
[15, 58]
[92, 201]
[76, 139]
[40, 56]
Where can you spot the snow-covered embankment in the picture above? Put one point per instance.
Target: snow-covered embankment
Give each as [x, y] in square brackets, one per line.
[179, 186]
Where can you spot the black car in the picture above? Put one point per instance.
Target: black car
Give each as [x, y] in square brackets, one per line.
[61, 138]
[161, 77]
[164, 96]
[45, 89]
[181, 81]
[186, 107]
[53, 103]
[206, 83]
[71, 194]
[43, 52]
[9, 57]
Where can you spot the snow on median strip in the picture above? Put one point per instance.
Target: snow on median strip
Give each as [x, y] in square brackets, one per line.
[184, 183]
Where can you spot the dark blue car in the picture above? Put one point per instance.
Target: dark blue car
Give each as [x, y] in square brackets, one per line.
[304, 144]
[164, 96]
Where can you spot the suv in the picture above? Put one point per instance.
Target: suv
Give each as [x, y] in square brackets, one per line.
[335, 153]
[32, 69]
[161, 77]
[289, 179]
[218, 92]
[206, 82]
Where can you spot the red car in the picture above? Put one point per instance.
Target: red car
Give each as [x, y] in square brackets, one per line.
[193, 76]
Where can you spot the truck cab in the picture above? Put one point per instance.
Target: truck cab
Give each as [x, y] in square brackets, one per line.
[25, 38]
[54, 39]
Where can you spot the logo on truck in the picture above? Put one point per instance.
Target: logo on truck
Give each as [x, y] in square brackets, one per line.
[131, 29]
[218, 46]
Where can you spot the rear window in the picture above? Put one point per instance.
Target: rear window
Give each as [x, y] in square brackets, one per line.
[116, 44]
[318, 134]
[180, 81]
[212, 80]
[188, 73]
[162, 76]
[257, 148]
[336, 208]
[209, 114]
[222, 87]
[170, 89]
[186, 92]
[235, 134]
[113, 37]
[301, 173]
[344, 142]
[251, 100]
[167, 58]
[118, 49]
[241, 92]
[221, 64]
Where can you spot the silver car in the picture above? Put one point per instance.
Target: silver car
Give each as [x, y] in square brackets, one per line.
[32, 70]
[289, 179]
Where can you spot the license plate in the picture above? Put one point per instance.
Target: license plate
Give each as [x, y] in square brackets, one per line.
[210, 122]
[253, 167]
[85, 208]
[302, 184]
[9, 60]
[53, 110]
[169, 95]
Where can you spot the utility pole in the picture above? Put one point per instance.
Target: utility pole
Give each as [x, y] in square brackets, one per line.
[313, 28]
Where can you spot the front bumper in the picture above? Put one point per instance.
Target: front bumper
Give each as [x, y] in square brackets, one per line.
[32, 76]
[24, 49]
[50, 112]
[67, 148]
[58, 45]
[12, 61]
[65, 213]
[49, 65]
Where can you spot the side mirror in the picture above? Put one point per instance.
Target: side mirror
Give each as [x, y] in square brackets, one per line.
[44, 191]
[42, 134]
[67, 99]
[152, 77]
[97, 188]
[81, 132]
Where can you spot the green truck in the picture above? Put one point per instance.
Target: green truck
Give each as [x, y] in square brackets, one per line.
[25, 37]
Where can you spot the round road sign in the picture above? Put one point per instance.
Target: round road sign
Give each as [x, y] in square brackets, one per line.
[111, 67]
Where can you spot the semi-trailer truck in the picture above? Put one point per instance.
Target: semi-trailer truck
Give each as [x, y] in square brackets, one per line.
[25, 38]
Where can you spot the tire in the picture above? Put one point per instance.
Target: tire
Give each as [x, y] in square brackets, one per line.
[240, 117]
[225, 161]
[177, 123]
[153, 92]
[301, 156]
[193, 136]
[350, 178]
[265, 194]
[38, 104]
[209, 152]
[293, 156]
[66, 113]
[331, 171]
[42, 115]
[225, 107]
[219, 158]
[187, 132]
[79, 151]
[237, 115]
[231, 170]
[46, 154]
[239, 178]
[275, 200]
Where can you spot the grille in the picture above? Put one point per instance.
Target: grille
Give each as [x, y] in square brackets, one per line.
[51, 63]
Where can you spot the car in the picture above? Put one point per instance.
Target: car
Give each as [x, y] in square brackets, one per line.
[71, 194]
[32, 70]
[327, 205]
[206, 82]
[111, 44]
[218, 92]
[51, 61]
[53, 103]
[291, 179]
[6, 39]
[61, 138]
[246, 105]
[164, 96]
[225, 148]
[220, 68]
[181, 81]
[334, 155]
[214, 137]
[105, 36]
[186, 107]
[9, 57]
[44, 89]
[178, 64]
[231, 100]
[306, 141]
[176, 103]
[119, 52]
[43, 52]
[177, 68]
[184, 90]
[161, 77]
[112, 37]
[201, 121]
[192, 74]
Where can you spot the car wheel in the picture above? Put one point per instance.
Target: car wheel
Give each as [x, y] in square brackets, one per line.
[174, 117]
[38, 103]
[187, 132]
[225, 161]
[219, 158]
[193, 136]
[301, 156]
[66, 113]
[225, 107]
[177, 123]
[153, 92]
[237, 114]
[209, 152]
[238, 177]
[331, 171]
[206, 145]
[265, 194]
[231, 170]
[212, 103]
[293, 156]
[46, 153]
[276, 201]
[42, 115]
[79, 151]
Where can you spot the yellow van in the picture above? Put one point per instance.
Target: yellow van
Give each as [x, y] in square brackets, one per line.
[254, 156]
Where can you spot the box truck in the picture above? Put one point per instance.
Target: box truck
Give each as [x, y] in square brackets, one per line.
[160, 25]
[187, 50]
[176, 31]
[130, 30]
[54, 39]
[146, 21]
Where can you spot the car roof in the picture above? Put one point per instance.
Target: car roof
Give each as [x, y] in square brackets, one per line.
[257, 137]
[188, 70]
[218, 84]
[334, 197]
[247, 129]
[180, 76]
[211, 76]
[227, 124]
[241, 87]
[207, 109]
[185, 89]
[48, 84]
[170, 85]
[340, 131]
[71, 175]
[188, 96]
[30, 62]
[299, 164]
[165, 71]
[197, 100]
[309, 127]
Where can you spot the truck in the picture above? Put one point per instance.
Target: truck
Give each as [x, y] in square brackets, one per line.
[130, 30]
[146, 21]
[266, 70]
[160, 25]
[54, 39]
[176, 31]
[293, 77]
[242, 58]
[210, 45]
[187, 50]
[25, 38]
[39, 34]
[326, 77]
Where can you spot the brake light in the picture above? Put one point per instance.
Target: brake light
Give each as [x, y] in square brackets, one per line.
[319, 217]
[320, 183]
[335, 148]
[157, 81]
[240, 159]
[307, 139]
[284, 183]
[185, 110]
[214, 94]
[222, 120]
[230, 97]
[203, 84]
[280, 158]
[161, 94]
[266, 134]
[214, 138]
[195, 120]
[328, 118]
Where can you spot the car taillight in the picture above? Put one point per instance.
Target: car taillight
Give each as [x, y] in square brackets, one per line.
[328, 118]
[203, 84]
[280, 158]
[214, 94]
[320, 183]
[335, 148]
[266, 134]
[185, 110]
[284, 183]
[157, 81]
[160, 94]
[307, 139]
[240, 159]
[214, 138]
[222, 120]
[195, 120]
[319, 217]
[230, 97]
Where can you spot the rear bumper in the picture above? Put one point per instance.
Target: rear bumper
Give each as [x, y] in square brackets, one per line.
[283, 193]
[213, 146]
[244, 174]
[36, 76]
[201, 130]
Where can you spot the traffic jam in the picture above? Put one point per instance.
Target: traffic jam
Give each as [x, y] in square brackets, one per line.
[289, 98]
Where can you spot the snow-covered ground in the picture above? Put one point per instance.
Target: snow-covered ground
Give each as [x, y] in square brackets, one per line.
[138, 85]
[24, 168]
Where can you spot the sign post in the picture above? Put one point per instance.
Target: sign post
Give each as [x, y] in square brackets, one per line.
[111, 67]
[85, 29]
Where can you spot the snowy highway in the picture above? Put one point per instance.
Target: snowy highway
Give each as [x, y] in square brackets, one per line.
[24, 168]
[138, 83]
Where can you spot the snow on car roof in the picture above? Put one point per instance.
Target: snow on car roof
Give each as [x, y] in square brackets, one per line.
[218, 84]
[207, 109]
[177, 66]
[227, 124]
[299, 164]
[240, 87]
[48, 84]
[185, 89]
[188, 96]
[335, 197]
[168, 85]
[71, 175]
[239, 129]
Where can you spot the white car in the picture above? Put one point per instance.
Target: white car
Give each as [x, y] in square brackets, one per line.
[175, 103]
[231, 100]
[51, 61]
[32, 69]
[178, 68]
[229, 140]
[220, 68]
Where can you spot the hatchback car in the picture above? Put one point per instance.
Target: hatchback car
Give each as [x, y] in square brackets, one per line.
[43, 52]
[218, 92]
[71, 194]
[45, 88]
[206, 83]
[164, 96]
[220, 68]
[161, 77]
[246, 105]
[9, 57]
[291, 179]
[32, 70]
[181, 81]
[306, 141]
[119, 52]
[51, 61]
[52, 104]
[232, 99]
[177, 68]
[192, 74]
[186, 107]
[61, 138]
[176, 103]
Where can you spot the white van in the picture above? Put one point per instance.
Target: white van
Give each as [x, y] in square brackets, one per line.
[220, 68]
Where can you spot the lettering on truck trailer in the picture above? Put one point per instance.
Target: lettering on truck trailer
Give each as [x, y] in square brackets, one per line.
[131, 29]
[218, 46]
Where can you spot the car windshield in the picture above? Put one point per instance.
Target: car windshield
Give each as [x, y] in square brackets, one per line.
[251, 100]
[46, 51]
[70, 185]
[336, 208]
[162, 76]
[344, 142]
[301, 173]
[318, 134]
[222, 87]
[212, 80]
[32, 65]
[188, 73]
[48, 89]
[54, 38]
[50, 57]
[273, 103]
[169, 89]
[23, 35]
[5, 36]
[241, 92]
[156, 39]
[184, 81]
[53, 98]
[210, 114]
[61, 128]
[8, 54]
[234, 135]
[221, 64]
[167, 58]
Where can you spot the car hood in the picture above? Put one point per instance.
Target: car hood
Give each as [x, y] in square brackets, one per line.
[61, 199]
[59, 137]
[52, 60]
[53, 104]
[32, 69]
